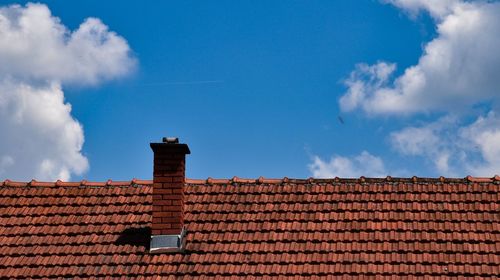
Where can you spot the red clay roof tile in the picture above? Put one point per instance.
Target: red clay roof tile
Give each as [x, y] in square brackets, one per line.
[264, 228]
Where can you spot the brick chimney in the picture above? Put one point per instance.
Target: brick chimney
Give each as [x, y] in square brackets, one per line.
[167, 228]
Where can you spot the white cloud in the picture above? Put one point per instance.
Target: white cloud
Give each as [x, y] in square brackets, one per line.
[364, 80]
[35, 45]
[437, 8]
[457, 69]
[41, 138]
[483, 137]
[38, 54]
[435, 141]
[363, 164]
[454, 148]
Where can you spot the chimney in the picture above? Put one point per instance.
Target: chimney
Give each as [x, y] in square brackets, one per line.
[167, 228]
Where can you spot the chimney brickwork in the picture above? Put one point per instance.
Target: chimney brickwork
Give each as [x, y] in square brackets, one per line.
[168, 186]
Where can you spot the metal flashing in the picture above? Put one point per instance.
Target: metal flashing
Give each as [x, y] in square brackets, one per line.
[167, 243]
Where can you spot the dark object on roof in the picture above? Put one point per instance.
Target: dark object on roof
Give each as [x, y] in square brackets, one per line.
[263, 228]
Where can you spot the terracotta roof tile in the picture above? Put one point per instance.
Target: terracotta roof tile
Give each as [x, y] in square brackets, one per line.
[388, 228]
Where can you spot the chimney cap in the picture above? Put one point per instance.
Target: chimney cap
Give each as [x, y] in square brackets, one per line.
[170, 144]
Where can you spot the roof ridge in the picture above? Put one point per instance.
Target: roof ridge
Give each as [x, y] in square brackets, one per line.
[59, 183]
[362, 179]
[260, 180]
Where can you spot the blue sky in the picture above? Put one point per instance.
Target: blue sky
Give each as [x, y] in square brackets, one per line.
[270, 88]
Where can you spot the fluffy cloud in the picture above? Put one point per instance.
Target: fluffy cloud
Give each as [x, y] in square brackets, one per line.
[363, 164]
[452, 147]
[35, 46]
[437, 8]
[435, 141]
[364, 80]
[483, 138]
[38, 54]
[41, 138]
[457, 69]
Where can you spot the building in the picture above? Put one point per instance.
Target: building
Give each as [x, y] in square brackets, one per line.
[177, 228]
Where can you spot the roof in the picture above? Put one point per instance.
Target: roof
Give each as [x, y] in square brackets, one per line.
[267, 228]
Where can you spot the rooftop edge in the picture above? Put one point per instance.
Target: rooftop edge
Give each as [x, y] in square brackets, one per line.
[260, 180]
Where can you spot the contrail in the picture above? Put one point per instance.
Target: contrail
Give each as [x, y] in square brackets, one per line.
[184, 83]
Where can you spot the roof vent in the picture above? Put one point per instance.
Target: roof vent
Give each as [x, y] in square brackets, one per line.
[167, 243]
